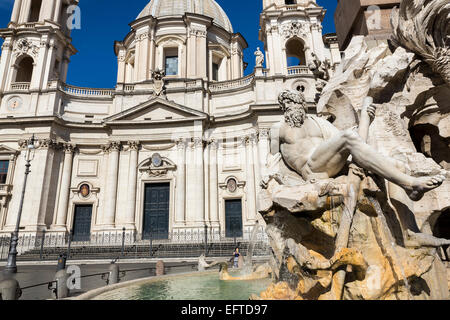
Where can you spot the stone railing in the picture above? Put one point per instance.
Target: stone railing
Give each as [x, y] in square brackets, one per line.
[29, 25]
[233, 84]
[292, 7]
[21, 86]
[129, 88]
[298, 70]
[86, 92]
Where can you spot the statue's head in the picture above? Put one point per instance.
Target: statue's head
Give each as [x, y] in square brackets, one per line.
[293, 104]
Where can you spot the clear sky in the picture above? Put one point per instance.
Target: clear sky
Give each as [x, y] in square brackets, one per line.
[104, 21]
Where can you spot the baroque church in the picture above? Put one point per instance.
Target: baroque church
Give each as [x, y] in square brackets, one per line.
[182, 140]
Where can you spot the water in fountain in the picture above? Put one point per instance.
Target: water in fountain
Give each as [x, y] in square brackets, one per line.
[248, 262]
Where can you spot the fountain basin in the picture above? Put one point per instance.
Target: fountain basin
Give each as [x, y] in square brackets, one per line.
[192, 286]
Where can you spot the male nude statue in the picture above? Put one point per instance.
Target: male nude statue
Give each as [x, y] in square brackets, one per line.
[316, 149]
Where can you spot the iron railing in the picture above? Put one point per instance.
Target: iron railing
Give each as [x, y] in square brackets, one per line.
[119, 244]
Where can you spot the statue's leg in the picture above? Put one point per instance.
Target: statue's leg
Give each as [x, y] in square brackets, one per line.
[330, 157]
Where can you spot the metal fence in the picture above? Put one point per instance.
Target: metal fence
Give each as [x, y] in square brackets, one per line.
[125, 245]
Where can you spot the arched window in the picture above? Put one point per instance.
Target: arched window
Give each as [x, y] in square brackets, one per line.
[35, 11]
[25, 70]
[295, 53]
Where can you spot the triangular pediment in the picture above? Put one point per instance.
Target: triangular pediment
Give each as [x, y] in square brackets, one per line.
[7, 150]
[156, 110]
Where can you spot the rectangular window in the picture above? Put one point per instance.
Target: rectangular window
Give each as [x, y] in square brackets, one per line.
[171, 65]
[4, 165]
[215, 72]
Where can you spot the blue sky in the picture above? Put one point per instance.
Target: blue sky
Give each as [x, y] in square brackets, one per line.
[104, 21]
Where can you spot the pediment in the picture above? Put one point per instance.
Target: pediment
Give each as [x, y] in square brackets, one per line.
[156, 110]
[7, 150]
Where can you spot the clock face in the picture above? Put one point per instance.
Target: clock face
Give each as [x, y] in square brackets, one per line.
[14, 103]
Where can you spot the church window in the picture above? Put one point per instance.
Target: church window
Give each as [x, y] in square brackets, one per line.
[215, 72]
[171, 61]
[171, 65]
[35, 11]
[25, 70]
[288, 2]
[4, 164]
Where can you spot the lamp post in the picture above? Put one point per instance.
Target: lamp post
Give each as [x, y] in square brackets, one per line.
[11, 266]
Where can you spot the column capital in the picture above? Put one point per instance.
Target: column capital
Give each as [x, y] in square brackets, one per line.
[68, 147]
[243, 140]
[213, 143]
[264, 134]
[46, 144]
[181, 143]
[253, 138]
[113, 146]
[134, 145]
[197, 142]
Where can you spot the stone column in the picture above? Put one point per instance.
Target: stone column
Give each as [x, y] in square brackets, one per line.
[319, 47]
[64, 193]
[130, 221]
[250, 175]
[38, 70]
[199, 187]
[57, 12]
[201, 54]
[16, 11]
[152, 55]
[121, 67]
[191, 55]
[137, 57]
[50, 63]
[111, 195]
[26, 7]
[256, 159]
[5, 61]
[214, 182]
[143, 55]
[264, 149]
[180, 207]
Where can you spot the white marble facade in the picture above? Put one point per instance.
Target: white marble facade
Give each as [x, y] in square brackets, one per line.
[205, 135]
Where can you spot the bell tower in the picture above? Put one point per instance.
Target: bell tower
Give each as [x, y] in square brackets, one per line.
[291, 31]
[37, 46]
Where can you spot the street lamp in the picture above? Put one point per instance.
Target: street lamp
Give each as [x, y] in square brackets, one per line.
[11, 266]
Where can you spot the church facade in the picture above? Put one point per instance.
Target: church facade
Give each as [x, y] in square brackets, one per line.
[180, 143]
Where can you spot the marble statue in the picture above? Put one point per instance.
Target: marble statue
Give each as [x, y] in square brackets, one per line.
[316, 149]
[351, 200]
[259, 58]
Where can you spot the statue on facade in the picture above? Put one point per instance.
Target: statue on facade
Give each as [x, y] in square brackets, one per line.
[259, 58]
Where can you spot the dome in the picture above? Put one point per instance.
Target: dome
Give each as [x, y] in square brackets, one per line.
[209, 8]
